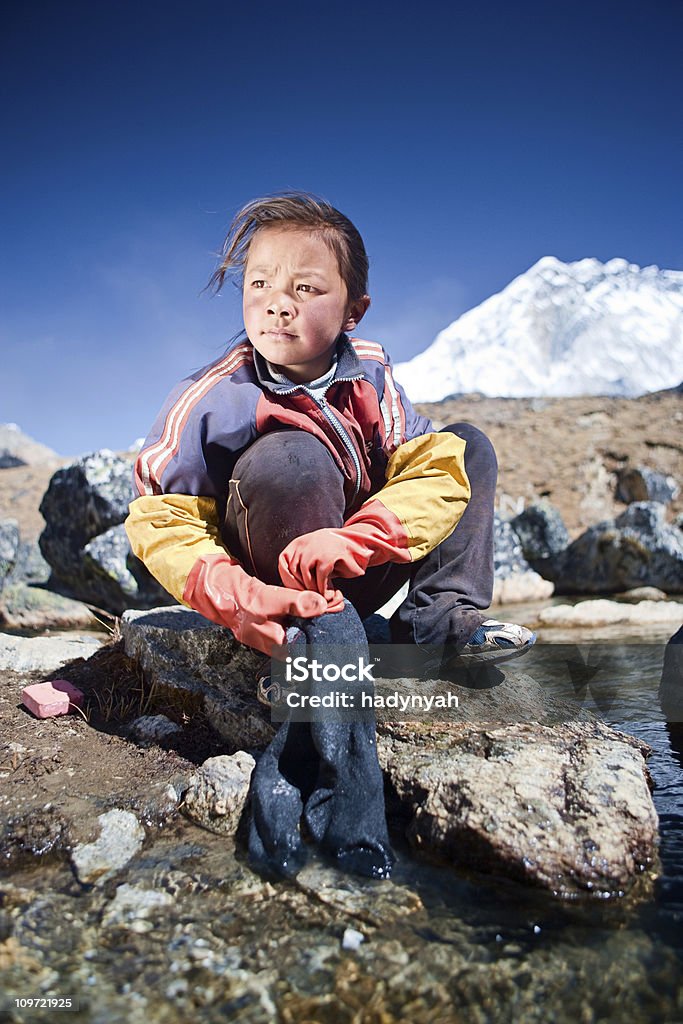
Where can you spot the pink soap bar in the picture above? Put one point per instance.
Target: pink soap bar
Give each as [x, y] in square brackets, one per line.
[46, 700]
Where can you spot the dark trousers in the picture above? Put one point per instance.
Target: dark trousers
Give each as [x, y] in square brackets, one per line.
[287, 484]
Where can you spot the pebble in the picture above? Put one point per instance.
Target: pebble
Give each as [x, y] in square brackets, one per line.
[352, 939]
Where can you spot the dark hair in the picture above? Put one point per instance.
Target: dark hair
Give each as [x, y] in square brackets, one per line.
[300, 209]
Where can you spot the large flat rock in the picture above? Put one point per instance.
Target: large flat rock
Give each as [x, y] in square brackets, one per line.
[566, 807]
[516, 783]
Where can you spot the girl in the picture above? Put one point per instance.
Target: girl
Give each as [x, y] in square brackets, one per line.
[293, 474]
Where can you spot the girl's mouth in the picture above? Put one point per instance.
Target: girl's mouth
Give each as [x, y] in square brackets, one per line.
[280, 335]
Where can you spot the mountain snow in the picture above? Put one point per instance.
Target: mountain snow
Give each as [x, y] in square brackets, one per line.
[583, 328]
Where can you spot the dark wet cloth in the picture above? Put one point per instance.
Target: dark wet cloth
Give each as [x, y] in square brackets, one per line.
[325, 772]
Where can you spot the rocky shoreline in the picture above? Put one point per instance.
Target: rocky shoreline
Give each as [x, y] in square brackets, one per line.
[123, 842]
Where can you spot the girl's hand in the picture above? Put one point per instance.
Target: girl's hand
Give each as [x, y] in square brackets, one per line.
[256, 612]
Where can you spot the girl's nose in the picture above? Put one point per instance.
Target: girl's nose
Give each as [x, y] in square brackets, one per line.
[280, 305]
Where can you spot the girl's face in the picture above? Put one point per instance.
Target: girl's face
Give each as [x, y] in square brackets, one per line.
[295, 302]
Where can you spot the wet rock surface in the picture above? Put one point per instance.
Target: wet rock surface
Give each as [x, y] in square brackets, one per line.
[121, 837]
[548, 762]
[187, 931]
[184, 930]
[566, 807]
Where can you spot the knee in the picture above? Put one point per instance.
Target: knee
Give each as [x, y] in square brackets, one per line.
[287, 463]
[477, 444]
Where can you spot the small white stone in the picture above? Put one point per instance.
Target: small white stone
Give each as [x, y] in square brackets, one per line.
[352, 939]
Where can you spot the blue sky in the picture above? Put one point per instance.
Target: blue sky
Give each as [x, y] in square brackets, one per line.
[464, 140]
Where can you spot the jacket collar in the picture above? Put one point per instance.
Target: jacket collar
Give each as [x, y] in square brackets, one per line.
[349, 367]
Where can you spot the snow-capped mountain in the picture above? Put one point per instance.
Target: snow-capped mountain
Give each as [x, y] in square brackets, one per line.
[583, 328]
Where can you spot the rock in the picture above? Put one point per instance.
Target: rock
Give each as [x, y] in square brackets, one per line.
[642, 594]
[121, 837]
[390, 902]
[595, 485]
[637, 549]
[514, 579]
[607, 613]
[564, 807]
[132, 907]
[30, 566]
[124, 580]
[521, 586]
[9, 547]
[9, 461]
[541, 532]
[216, 795]
[671, 684]
[43, 654]
[352, 939]
[643, 484]
[84, 540]
[179, 649]
[488, 789]
[35, 608]
[153, 728]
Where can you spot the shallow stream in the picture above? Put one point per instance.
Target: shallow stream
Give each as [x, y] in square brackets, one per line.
[187, 932]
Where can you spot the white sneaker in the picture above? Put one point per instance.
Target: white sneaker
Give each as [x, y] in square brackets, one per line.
[496, 641]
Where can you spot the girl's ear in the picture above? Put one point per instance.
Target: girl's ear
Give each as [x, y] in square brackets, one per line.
[355, 313]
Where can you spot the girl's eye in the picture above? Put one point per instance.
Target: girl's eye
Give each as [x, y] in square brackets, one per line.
[258, 284]
[306, 287]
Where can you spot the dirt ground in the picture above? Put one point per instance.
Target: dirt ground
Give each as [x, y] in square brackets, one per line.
[58, 774]
[570, 450]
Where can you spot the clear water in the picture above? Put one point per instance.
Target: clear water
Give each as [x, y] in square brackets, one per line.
[228, 947]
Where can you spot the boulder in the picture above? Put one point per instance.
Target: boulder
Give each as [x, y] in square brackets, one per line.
[514, 579]
[9, 547]
[35, 608]
[638, 549]
[43, 653]
[30, 566]
[517, 782]
[180, 650]
[542, 534]
[84, 540]
[567, 808]
[640, 483]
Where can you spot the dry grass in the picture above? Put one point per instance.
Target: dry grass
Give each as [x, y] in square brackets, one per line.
[116, 690]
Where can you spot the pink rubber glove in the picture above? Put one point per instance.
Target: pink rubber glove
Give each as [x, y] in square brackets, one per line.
[256, 612]
[312, 561]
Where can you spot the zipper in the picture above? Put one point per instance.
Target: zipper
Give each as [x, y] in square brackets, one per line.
[326, 410]
[346, 440]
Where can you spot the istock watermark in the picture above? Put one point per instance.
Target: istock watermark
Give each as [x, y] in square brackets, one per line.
[303, 669]
[551, 683]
